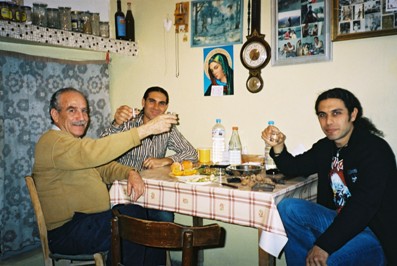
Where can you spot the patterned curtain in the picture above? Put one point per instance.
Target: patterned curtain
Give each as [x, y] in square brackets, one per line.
[26, 85]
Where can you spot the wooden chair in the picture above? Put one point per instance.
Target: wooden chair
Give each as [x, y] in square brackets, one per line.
[50, 258]
[163, 235]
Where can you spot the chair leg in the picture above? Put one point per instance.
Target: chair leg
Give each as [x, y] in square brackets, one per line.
[99, 259]
[168, 261]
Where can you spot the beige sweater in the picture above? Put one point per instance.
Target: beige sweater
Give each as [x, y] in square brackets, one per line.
[71, 173]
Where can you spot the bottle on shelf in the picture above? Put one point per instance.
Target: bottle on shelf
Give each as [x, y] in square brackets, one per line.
[119, 22]
[129, 24]
[218, 142]
[269, 162]
[235, 147]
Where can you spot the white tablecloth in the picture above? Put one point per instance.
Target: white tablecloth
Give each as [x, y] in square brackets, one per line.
[237, 206]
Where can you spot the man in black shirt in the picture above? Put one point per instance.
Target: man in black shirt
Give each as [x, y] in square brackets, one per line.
[354, 220]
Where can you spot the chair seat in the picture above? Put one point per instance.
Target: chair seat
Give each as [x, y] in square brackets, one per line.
[80, 259]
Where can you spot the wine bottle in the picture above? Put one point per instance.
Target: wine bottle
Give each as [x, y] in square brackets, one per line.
[119, 22]
[130, 24]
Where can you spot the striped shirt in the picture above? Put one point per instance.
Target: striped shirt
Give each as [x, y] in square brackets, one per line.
[154, 146]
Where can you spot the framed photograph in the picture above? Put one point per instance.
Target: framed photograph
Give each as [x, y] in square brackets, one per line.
[355, 19]
[300, 31]
[216, 22]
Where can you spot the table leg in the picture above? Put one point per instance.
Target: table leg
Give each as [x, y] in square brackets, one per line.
[264, 258]
[198, 221]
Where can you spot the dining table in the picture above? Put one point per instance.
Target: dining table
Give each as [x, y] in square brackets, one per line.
[238, 205]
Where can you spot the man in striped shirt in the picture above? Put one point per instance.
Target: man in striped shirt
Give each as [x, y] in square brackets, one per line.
[152, 151]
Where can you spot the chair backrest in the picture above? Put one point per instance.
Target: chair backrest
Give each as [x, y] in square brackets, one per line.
[97, 258]
[162, 235]
[40, 219]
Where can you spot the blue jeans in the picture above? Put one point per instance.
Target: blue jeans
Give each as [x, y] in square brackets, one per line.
[90, 233]
[305, 221]
[161, 216]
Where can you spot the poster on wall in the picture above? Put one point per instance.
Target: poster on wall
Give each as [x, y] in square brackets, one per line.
[218, 71]
[216, 22]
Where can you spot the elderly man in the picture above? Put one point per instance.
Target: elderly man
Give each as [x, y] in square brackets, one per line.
[71, 174]
[152, 151]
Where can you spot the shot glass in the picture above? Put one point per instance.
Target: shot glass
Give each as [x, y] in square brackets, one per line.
[174, 113]
[135, 112]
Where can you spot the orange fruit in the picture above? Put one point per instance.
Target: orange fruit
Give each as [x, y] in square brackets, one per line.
[176, 169]
[187, 165]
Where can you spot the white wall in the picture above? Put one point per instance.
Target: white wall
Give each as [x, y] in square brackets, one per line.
[368, 67]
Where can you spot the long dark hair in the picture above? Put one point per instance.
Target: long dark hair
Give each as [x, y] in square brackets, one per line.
[350, 102]
[221, 59]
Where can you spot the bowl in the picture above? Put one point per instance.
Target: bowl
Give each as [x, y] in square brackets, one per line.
[244, 169]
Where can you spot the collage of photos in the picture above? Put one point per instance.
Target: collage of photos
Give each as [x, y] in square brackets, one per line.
[366, 15]
[301, 28]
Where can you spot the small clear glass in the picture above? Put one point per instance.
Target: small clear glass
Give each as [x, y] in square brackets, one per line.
[86, 22]
[104, 29]
[53, 18]
[75, 20]
[135, 112]
[39, 16]
[95, 24]
[65, 20]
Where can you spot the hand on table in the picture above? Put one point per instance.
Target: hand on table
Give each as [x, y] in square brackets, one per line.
[317, 257]
[135, 183]
[151, 163]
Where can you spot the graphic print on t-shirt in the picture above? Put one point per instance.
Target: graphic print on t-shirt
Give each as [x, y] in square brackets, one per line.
[338, 184]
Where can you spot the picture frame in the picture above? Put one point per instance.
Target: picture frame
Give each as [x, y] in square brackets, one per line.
[300, 31]
[215, 23]
[356, 19]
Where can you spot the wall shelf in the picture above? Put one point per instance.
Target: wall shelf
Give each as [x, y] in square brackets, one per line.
[19, 32]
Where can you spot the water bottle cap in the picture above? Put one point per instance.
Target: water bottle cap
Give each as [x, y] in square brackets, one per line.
[218, 120]
[270, 123]
[234, 128]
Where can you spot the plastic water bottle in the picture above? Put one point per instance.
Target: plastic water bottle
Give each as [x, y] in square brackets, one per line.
[269, 162]
[218, 142]
[235, 147]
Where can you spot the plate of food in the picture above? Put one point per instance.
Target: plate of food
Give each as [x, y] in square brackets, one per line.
[197, 179]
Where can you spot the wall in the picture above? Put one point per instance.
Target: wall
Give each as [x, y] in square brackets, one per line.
[368, 67]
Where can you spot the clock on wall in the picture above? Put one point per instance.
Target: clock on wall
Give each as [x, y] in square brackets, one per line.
[255, 52]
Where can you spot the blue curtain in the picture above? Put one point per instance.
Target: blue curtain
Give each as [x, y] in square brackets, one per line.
[26, 85]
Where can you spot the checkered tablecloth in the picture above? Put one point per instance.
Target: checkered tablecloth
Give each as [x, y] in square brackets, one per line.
[237, 206]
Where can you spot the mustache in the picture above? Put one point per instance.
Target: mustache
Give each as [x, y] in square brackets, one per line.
[79, 123]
